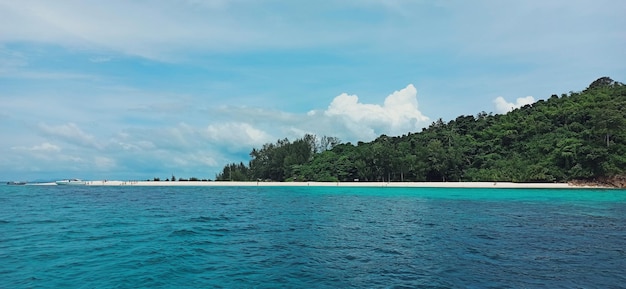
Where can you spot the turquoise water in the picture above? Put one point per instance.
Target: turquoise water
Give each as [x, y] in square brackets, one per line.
[236, 237]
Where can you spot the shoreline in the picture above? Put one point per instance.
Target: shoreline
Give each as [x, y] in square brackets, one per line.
[484, 185]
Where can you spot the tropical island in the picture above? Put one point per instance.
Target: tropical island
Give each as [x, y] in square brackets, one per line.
[575, 140]
[577, 137]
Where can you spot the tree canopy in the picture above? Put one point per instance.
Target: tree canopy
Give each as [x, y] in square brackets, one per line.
[579, 135]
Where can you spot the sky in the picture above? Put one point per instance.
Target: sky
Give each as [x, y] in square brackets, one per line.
[140, 89]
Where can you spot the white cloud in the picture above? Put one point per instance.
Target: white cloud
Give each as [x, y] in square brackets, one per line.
[44, 147]
[35, 75]
[200, 159]
[158, 29]
[167, 30]
[237, 134]
[398, 115]
[502, 106]
[163, 28]
[346, 117]
[206, 160]
[70, 132]
[104, 163]
[100, 59]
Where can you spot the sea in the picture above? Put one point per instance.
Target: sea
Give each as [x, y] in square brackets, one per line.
[311, 237]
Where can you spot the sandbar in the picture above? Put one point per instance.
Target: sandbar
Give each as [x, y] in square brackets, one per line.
[497, 185]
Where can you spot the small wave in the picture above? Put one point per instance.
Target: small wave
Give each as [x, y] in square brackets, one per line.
[485, 237]
[205, 219]
[202, 219]
[217, 230]
[388, 251]
[203, 243]
[183, 232]
[201, 251]
[46, 221]
[350, 257]
[421, 286]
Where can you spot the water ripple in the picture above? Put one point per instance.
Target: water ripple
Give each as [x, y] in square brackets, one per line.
[310, 238]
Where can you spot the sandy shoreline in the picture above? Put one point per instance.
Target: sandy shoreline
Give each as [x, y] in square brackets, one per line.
[498, 185]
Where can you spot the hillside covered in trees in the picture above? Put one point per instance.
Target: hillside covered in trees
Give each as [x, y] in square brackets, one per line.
[575, 136]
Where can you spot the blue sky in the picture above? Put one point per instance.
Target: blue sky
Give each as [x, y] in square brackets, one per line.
[143, 89]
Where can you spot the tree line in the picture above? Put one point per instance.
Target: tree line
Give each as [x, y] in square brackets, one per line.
[579, 135]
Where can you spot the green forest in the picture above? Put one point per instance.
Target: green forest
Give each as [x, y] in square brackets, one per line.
[575, 136]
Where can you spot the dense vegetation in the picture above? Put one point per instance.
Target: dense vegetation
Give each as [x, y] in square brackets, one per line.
[580, 135]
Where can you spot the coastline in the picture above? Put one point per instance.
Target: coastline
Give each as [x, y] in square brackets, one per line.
[496, 185]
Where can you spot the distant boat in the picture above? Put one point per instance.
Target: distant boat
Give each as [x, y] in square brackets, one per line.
[74, 182]
[16, 183]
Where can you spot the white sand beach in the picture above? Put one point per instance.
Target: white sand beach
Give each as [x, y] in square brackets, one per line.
[498, 185]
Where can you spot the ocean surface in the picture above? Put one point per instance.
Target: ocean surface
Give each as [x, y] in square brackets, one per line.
[310, 237]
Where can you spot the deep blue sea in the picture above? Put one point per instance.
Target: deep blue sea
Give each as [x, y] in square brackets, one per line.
[310, 237]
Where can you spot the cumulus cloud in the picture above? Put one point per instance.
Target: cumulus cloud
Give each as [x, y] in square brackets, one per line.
[503, 106]
[237, 134]
[226, 134]
[70, 132]
[399, 113]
